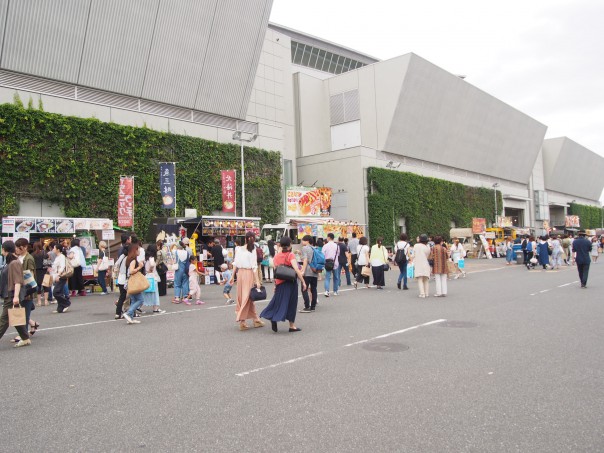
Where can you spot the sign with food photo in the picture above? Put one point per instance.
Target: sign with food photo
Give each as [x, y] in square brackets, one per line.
[167, 184]
[229, 190]
[308, 201]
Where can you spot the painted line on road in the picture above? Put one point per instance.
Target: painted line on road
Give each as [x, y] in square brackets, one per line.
[551, 289]
[316, 354]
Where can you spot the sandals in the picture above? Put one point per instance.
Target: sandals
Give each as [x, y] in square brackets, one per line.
[34, 328]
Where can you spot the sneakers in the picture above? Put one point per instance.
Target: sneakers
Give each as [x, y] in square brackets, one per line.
[187, 302]
[128, 319]
[230, 301]
[199, 302]
[118, 316]
[159, 312]
[305, 310]
[23, 343]
[335, 293]
[326, 293]
[104, 293]
[65, 309]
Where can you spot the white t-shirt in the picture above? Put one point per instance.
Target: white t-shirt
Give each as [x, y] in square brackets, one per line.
[245, 259]
[362, 258]
[402, 245]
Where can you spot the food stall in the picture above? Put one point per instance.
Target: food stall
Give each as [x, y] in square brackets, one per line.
[59, 229]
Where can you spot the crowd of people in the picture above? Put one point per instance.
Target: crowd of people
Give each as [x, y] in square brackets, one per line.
[33, 276]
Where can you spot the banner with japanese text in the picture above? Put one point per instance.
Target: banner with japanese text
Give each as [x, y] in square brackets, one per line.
[125, 202]
[167, 184]
[228, 190]
[308, 201]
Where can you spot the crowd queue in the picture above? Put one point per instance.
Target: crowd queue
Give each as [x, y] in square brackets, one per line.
[33, 276]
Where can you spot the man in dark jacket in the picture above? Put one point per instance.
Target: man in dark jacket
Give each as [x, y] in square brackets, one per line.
[582, 248]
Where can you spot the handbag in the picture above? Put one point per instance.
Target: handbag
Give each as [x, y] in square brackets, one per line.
[104, 265]
[366, 271]
[258, 293]
[283, 272]
[29, 282]
[411, 270]
[386, 267]
[137, 283]
[16, 317]
[162, 268]
[152, 284]
[461, 263]
[47, 281]
[68, 272]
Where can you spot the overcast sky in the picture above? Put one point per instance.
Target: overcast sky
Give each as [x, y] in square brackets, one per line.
[544, 58]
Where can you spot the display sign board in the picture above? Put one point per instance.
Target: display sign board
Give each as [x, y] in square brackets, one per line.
[479, 225]
[572, 221]
[53, 225]
[108, 235]
[228, 190]
[238, 227]
[338, 229]
[505, 222]
[167, 184]
[8, 225]
[125, 202]
[308, 201]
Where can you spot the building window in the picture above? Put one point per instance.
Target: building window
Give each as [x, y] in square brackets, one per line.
[316, 58]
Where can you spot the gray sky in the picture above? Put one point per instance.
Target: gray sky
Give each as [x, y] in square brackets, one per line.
[544, 58]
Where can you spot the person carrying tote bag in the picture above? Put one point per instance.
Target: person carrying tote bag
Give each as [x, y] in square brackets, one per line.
[11, 281]
[136, 283]
[378, 260]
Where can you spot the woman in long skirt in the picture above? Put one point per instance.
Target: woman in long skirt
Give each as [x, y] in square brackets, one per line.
[378, 259]
[284, 304]
[245, 266]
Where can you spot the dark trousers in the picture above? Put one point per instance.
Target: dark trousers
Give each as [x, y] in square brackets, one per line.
[583, 273]
[21, 330]
[120, 302]
[360, 277]
[59, 291]
[378, 275]
[162, 286]
[102, 280]
[76, 281]
[353, 261]
[311, 285]
[347, 272]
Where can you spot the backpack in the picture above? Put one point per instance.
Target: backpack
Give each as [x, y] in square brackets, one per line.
[401, 256]
[317, 263]
[342, 260]
[259, 255]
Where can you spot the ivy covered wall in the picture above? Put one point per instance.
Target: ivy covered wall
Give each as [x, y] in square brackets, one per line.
[77, 162]
[429, 205]
[590, 217]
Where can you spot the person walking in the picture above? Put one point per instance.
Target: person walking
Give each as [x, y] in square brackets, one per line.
[439, 257]
[531, 248]
[194, 287]
[11, 282]
[362, 262]
[343, 259]
[181, 276]
[161, 268]
[594, 250]
[353, 246]
[457, 253]
[556, 252]
[39, 257]
[401, 258]
[120, 270]
[421, 255]
[509, 250]
[283, 304]
[77, 259]
[582, 249]
[151, 299]
[245, 266]
[58, 268]
[567, 249]
[543, 252]
[103, 265]
[29, 264]
[378, 258]
[309, 295]
[133, 266]
[332, 266]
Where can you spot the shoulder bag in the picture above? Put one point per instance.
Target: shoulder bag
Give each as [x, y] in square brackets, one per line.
[137, 283]
[285, 272]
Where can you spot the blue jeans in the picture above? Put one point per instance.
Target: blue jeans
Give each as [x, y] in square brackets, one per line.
[403, 275]
[347, 271]
[136, 300]
[336, 279]
[181, 284]
[101, 280]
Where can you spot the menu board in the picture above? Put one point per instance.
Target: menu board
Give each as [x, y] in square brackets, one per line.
[53, 225]
[216, 227]
[338, 230]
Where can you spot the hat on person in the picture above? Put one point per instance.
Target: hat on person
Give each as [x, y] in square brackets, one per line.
[423, 238]
[582, 232]
[223, 267]
[185, 241]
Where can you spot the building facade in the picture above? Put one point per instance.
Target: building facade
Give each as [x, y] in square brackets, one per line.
[210, 68]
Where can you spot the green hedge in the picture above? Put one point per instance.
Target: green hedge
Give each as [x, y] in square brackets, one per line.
[429, 205]
[77, 162]
[590, 217]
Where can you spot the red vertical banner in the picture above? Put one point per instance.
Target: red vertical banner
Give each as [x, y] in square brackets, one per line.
[228, 190]
[125, 202]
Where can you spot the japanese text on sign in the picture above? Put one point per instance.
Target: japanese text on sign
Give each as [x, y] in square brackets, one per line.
[125, 202]
[228, 190]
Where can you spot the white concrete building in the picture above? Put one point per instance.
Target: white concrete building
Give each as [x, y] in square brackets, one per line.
[209, 68]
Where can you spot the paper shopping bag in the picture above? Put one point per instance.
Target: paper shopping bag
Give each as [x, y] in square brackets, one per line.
[16, 317]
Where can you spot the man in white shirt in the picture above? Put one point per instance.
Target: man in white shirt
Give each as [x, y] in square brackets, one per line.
[330, 250]
[353, 246]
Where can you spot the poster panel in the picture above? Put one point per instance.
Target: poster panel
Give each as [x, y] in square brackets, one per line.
[167, 184]
[479, 225]
[125, 202]
[228, 190]
[572, 221]
[308, 201]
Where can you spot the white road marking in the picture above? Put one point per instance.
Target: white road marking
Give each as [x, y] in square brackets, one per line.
[551, 289]
[316, 354]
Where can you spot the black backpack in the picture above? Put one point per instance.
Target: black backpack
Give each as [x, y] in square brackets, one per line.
[401, 257]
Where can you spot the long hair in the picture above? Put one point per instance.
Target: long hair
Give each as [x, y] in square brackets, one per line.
[151, 252]
[9, 247]
[132, 254]
[249, 241]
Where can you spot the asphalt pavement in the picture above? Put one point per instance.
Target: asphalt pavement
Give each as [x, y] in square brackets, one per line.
[510, 360]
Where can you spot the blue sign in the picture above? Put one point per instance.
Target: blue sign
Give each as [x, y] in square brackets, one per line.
[167, 184]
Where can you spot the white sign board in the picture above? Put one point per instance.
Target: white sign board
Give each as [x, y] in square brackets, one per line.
[108, 235]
